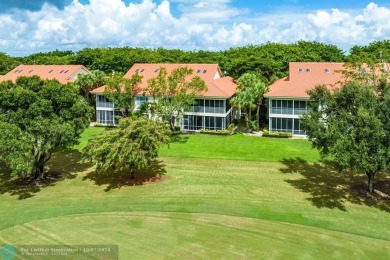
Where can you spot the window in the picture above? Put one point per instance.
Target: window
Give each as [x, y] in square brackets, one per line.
[156, 70]
[50, 71]
[228, 105]
[142, 70]
[327, 70]
[214, 106]
[62, 71]
[193, 122]
[308, 69]
[136, 70]
[300, 107]
[140, 100]
[198, 107]
[286, 125]
[282, 107]
[102, 101]
[105, 117]
[198, 71]
[281, 124]
[66, 71]
[30, 71]
[204, 122]
[204, 71]
[209, 106]
[297, 128]
[214, 123]
[300, 70]
[288, 107]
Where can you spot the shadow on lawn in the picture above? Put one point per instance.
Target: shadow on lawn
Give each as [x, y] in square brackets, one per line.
[330, 189]
[116, 180]
[181, 139]
[63, 165]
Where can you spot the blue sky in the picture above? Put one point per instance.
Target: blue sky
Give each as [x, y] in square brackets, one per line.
[43, 25]
[258, 6]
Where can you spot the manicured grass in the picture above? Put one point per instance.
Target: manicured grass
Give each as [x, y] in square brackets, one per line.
[240, 147]
[205, 208]
[89, 133]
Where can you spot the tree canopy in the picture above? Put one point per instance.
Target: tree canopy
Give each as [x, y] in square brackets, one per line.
[7, 63]
[86, 82]
[122, 91]
[133, 145]
[36, 117]
[250, 94]
[352, 126]
[270, 60]
[375, 52]
[173, 93]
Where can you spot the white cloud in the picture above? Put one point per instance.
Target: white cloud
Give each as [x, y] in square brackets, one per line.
[202, 24]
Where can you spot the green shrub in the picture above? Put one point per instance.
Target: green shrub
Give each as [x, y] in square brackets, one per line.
[266, 133]
[228, 131]
[230, 127]
[253, 125]
[214, 132]
[104, 125]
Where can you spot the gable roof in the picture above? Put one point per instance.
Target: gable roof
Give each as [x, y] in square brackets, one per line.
[63, 73]
[217, 85]
[304, 76]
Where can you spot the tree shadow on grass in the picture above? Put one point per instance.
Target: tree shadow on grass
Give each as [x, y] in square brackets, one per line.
[331, 189]
[181, 139]
[118, 179]
[63, 165]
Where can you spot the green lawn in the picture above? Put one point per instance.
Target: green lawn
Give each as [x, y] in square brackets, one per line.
[240, 147]
[274, 205]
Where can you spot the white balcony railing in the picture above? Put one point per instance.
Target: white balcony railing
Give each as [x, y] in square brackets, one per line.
[288, 111]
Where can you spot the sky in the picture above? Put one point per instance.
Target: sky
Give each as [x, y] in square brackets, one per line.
[31, 26]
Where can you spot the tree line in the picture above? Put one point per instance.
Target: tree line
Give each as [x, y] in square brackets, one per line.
[269, 60]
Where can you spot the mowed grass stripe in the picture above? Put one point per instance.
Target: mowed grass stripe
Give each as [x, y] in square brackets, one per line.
[258, 192]
[179, 234]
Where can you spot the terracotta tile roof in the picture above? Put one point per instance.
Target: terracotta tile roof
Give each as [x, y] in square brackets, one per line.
[304, 76]
[222, 87]
[218, 86]
[63, 73]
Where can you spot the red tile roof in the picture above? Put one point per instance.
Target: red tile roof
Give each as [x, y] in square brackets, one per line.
[304, 76]
[218, 86]
[63, 73]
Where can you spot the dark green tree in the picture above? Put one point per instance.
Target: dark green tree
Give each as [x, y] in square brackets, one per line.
[250, 95]
[89, 81]
[352, 126]
[133, 145]
[173, 92]
[36, 118]
[56, 57]
[7, 63]
[375, 52]
[121, 91]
